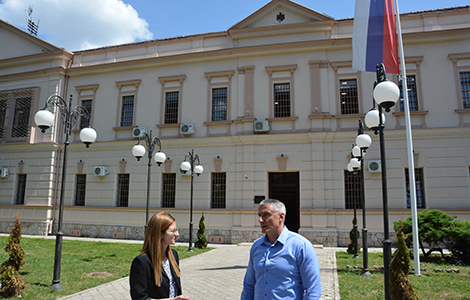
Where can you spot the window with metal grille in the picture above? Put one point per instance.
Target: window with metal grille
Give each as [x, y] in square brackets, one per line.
[219, 104]
[127, 111]
[465, 87]
[171, 107]
[419, 178]
[85, 122]
[123, 190]
[3, 110]
[20, 189]
[349, 189]
[218, 189]
[282, 100]
[168, 189]
[15, 110]
[348, 96]
[412, 93]
[80, 188]
[20, 126]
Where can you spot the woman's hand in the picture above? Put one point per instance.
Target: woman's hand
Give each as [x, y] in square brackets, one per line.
[181, 297]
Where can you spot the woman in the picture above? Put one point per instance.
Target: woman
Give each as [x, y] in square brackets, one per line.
[155, 271]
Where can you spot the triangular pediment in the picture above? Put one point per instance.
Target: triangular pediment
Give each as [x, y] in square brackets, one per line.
[280, 12]
[21, 43]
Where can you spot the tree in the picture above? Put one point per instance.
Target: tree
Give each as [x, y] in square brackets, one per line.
[459, 236]
[12, 281]
[201, 242]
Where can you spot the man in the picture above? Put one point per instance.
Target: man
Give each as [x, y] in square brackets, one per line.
[283, 264]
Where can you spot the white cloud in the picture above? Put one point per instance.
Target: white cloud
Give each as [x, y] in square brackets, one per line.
[79, 24]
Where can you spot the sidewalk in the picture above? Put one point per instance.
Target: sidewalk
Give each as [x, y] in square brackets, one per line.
[217, 274]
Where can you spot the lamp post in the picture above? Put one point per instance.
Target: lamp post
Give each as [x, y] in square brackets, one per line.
[45, 119]
[363, 142]
[139, 151]
[188, 165]
[386, 94]
[354, 164]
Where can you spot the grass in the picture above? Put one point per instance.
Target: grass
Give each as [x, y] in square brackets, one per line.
[84, 264]
[430, 286]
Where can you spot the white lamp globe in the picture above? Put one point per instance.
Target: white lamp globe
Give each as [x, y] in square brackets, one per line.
[363, 141]
[185, 166]
[372, 119]
[350, 169]
[356, 151]
[355, 164]
[198, 170]
[159, 158]
[386, 94]
[88, 136]
[44, 119]
[138, 151]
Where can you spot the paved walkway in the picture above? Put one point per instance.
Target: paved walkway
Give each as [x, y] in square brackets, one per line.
[217, 274]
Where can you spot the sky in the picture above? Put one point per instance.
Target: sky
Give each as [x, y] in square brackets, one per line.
[86, 24]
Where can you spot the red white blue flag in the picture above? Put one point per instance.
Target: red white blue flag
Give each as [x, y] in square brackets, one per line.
[374, 36]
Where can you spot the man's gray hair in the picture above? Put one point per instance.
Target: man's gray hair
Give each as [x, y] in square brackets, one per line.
[278, 206]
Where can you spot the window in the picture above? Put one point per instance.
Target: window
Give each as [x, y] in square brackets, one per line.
[127, 111]
[85, 122]
[282, 100]
[419, 178]
[20, 189]
[80, 188]
[3, 110]
[171, 107]
[348, 96]
[219, 104]
[349, 189]
[168, 189]
[412, 93]
[123, 190]
[465, 87]
[15, 114]
[218, 189]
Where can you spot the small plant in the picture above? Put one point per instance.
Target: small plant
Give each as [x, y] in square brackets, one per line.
[400, 286]
[12, 282]
[201, 242]
[351, 238]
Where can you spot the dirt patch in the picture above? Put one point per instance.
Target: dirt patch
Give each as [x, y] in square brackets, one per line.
[99, 274]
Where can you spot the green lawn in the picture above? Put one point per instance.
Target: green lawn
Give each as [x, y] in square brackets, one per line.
[84, 264]
[430, 286]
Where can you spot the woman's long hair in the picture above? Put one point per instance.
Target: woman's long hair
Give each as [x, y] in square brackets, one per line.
[157, 226]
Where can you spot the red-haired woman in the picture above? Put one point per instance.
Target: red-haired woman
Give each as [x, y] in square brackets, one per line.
[155, 271]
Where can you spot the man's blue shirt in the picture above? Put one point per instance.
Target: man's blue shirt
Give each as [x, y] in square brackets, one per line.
[288, 269]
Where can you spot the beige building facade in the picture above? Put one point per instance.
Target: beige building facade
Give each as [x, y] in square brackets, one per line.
[271, 108]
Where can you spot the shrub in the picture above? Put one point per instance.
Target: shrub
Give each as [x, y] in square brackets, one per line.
[400, 286]
[351, 238]
[459, 235]
[201, 242]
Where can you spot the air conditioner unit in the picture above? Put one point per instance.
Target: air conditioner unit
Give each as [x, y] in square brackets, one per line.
[100, 171]
[138, 132]
[4, 172]
[186, 128]
[374, 166]
[261, 126]
[181, 172]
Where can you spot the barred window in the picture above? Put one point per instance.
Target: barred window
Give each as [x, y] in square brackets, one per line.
[348, 96]
[218, 188]
[20, 189]
[171, 107]
[349, 189]
[282, 100]
[123, 190]
[419, 178]
[3, 110]
[219, 104]
[412, 93]
[85, 122]
[127, 111]
[465, 88]
[15, 115]
[168, 189]
[80, 188]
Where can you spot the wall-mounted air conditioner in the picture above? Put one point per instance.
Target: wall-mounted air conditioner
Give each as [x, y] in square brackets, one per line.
[100, 171]
[261, 126]
[186, 128]
[138, 132]
[374, 166]
[4, 172]
[181, 172]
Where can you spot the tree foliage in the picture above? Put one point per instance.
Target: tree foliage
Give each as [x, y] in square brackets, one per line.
[459, 236]
[201, 242]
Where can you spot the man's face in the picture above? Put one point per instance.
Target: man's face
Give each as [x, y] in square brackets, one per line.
[269, 219]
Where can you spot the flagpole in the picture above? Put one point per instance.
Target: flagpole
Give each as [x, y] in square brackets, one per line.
[411, 168]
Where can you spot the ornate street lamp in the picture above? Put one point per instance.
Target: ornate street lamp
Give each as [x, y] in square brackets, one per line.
[190, 160]
[354, 164]
[139, 151]
[386, 94]
[44, 120]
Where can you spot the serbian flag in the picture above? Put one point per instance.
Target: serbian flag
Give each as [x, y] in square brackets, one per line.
[374, 36]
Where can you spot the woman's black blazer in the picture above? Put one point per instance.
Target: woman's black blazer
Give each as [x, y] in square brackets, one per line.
[142, 279]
